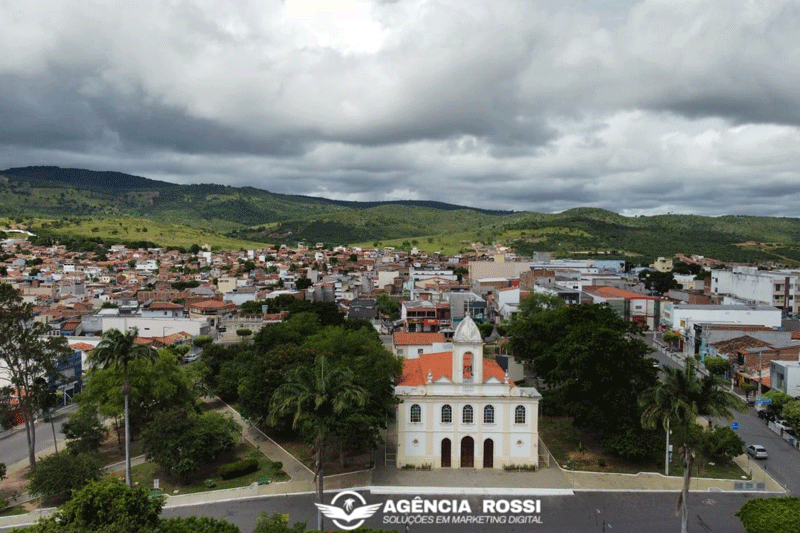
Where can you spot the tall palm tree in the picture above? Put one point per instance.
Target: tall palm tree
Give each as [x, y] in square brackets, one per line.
[315, 397]
[118, 350]
[680, 398]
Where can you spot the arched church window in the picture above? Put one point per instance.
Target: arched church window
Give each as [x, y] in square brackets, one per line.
[416, 413]
[447, 414]
[488, 415]
[467, 415]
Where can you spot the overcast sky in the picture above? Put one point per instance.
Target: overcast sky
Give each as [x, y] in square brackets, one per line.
[640, 107]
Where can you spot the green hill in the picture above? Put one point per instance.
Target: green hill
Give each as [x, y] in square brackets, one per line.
[112, 206]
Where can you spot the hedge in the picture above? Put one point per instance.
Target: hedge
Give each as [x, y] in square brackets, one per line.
[239, 468]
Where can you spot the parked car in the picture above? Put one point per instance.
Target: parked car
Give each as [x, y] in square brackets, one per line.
[763, 415]
[191, 357]
[757, 451]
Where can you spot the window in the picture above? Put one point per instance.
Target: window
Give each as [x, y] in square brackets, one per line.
[466, 416]
[488, 415]
[519, 415]
[467, 363]
[416, 413]
[447, 414]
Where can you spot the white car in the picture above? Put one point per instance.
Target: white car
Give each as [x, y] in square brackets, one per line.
[192, 357]
[757, 451]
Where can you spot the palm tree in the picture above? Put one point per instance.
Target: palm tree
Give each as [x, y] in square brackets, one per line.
[316, 397]
[118, 350]
[681, 397]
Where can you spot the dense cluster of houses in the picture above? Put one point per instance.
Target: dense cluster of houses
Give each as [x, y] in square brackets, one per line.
[463, 410]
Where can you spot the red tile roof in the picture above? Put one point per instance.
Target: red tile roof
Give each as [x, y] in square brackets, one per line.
[415, 371]
[406, 339]
[82, 346]
[213, 304]
[164, 306]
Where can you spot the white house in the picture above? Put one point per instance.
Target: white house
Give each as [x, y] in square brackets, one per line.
[780, 288]
[785, 376]
[412, 345]
[460, 410]
[683, 318]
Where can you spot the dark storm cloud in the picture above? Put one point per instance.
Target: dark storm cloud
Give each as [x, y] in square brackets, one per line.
[636, 106]
[42, 113]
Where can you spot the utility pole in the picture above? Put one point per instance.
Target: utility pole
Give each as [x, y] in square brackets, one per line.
[759, 375]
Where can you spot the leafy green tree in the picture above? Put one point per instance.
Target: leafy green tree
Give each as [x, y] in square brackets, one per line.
[154, 386]
[375, 370]
[105, 506]
[315, 397]
[660, 282]
[536, 303]
[779, 401]
[791, 412]
[201, 341]
[722, 444]
[118, 351]
[769, 515]
[181, 441]
[302, 283]
[718, 366]
[388, 306]
[680, 398]
[244, 332]
[84, 430]
[62, 472]
[748, 388]
[27, 354]
[671, 338]
[593, 356]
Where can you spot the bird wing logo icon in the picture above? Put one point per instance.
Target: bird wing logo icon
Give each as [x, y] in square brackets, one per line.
[349, 513]
[359, 513]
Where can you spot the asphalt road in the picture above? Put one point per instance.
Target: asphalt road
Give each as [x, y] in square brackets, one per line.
[783, 463]
[14, 445]
[585, 512]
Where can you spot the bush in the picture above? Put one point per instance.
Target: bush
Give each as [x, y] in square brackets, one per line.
[63, 472]
[767, 515]
[238, 468]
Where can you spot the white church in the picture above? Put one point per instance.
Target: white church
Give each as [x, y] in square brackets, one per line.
[460, 410]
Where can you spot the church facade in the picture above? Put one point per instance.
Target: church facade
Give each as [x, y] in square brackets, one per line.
[459, 410]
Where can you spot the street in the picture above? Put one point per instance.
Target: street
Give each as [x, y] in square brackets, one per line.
[783, 463]
[14, 444]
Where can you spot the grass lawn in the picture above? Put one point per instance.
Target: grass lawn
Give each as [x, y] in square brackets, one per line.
[302, 452]
[144, 474]
[564, 442]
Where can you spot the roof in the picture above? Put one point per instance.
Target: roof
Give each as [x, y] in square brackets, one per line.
[614, 292]
[412, 339]
[739, 343]
[213, 304]
[440, 364]
[165, 306]
[712, 307]
[82, 346]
